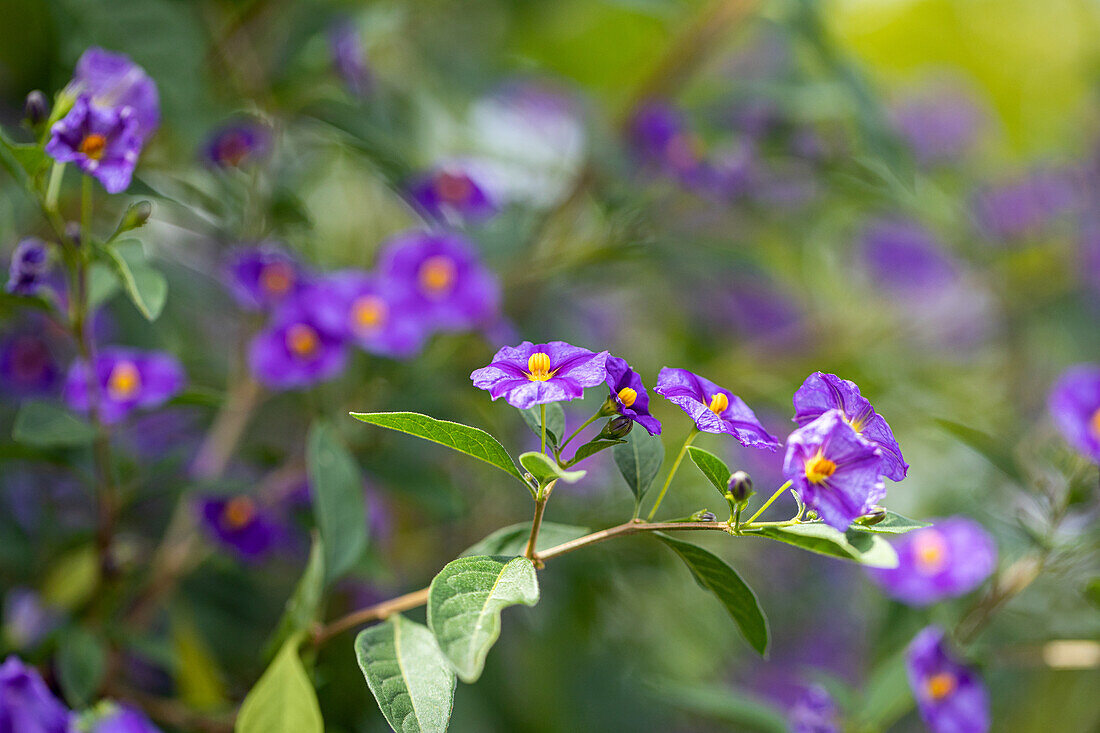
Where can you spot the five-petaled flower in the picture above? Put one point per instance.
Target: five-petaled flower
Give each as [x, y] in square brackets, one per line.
[263, 276]
[1075, 407]
[823, 392]
[104, 142]
[113, 81]
[238, 144]
[537, 374]
[950, 696]
[123, 380]
[834, 470]
[381, 316]
[239, 523]
[714, 409]
[304, 343]
[949, 559]
[629, 394]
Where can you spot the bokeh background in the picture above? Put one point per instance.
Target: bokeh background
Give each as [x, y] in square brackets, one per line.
[900, 192]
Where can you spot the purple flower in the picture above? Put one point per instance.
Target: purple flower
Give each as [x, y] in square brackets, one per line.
[29, 263]
[305, 342]
[113, 81]
[381, 316]
[949, 559]
[940, 125]
[823, 392]
[111, 717]
[660, 137]
[449, 194]
[125, 380]
[630, 394]
[28, 364]
[950, 696]
[102, 141]
[452, 289]
[905, 258]
[536, 374]
[814, 712]
[26, 618]
[834, 470]
[238, 144]
[240, 524]
[1025, 206]
[26, 704]
[263, 276]
[349, 58]
[714, 409]
[1075, 406]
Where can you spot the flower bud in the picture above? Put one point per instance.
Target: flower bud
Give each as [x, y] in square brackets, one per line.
[135, 216]
[616, 429]
[740, 486]
[704, 516]
[36, 109]
[875, 516]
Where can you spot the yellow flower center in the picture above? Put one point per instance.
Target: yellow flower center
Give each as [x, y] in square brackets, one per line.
[538, 367]
[93, 145]
[437, 274]
[940, 685]
[627, 396]
[930, 551]
[368, 312]
[302, 340]
[1096, 421]
[719, 403]
[819, 468]
[124, 382]
[238, 512]
[453, 189]
[277, 278]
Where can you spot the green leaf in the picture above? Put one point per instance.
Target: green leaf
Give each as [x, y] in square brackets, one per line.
[722, 704]
[712, 467]
[985, 445]
[338, 502]
[407, 674]
[1091, 591]
[81, 662]
[886, 695]
[72, 578]
[639, 459]
[146, 287]
[463, 438]
[545, 469]
[22, 160]
[512, 541]
[713, 574]
[283, 701]
[102, 284]
[304, 605]
[464, 605]
[864, 547]
[46, 425]
[555, 422]
[199, 680]
[592, 448]
[893, 524]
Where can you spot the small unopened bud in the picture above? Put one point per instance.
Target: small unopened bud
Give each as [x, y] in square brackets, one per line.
[740, 486]
[135, 216]
[36, 109]
[72, 232]
[875, 516]
[704, 516]
[616, 429]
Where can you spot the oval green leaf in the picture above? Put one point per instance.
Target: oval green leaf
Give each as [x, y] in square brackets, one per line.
[555, 422]
[713, 467]
[45, 425]
[545, 469]
[639, 459]
[283, 701]
[894, 523]
[865, 548]
[336, 489]
[512, 540]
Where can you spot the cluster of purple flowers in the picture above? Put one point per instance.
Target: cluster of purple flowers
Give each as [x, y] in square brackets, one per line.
[426, 281]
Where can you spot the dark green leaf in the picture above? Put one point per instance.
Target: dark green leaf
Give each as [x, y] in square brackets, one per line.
[464, 605]
[886, 695]
[46, 425]
[147, 288]
[713, 574]
[463, 438]
[338, 503]
[864, 547]
[722, 704]
[893, 524]
[590, 449]
[81, 661]
[512, 541]
[407, 674]
[639, 459]
[985, 445]
[555, 422]
[545, 469]
[22, 160]
[712, 467]
[1092, 592]
[283, 701]
[304, 606]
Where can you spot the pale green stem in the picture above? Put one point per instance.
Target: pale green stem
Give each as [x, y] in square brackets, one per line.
[584, 425]
[54, 188]
[768, 503]
[675, 466]
[542, 419]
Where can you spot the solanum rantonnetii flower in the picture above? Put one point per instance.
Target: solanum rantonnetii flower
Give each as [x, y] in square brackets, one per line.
[629, 394]
[124, 380]
[537, 374]
[940, 124]
[823, 392]
[263, 276]
[814, 712]
[102, 141]
[950, 696]
[381, 316]
[1075, 406]
[714, 409]
[834, 470]
[1026, 206]
[29, 264]
[449, 193]
[304, 343]
[950, 558]
[26, 704]
[452, 289]
[905, 258]
[109, 716]
[661, 138]
[241, 524]
[238, 144]
[349, 58]
[113, 81]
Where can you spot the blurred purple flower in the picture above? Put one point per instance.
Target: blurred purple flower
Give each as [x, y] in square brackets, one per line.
[452, 289]
[1075, 406]
[381, 316]
[950, 696]
[906, 259]
[630, 394]
[349, 58]
[834, 470]
[814, 712]
[263, 276]
[111, 717]
[28, 365]
[449, 194]
[758, 310]
[823, 392]
[949, 559]
[115, 82]
[240, 524]
[29, 264]
[714, 409]
[940, 124]
[238, 144]
[536, 374]
[1026, 206]
[26, 618]
[304, 343]
[125, 380]
[104, 142]
[26, 704]
[660, 137]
